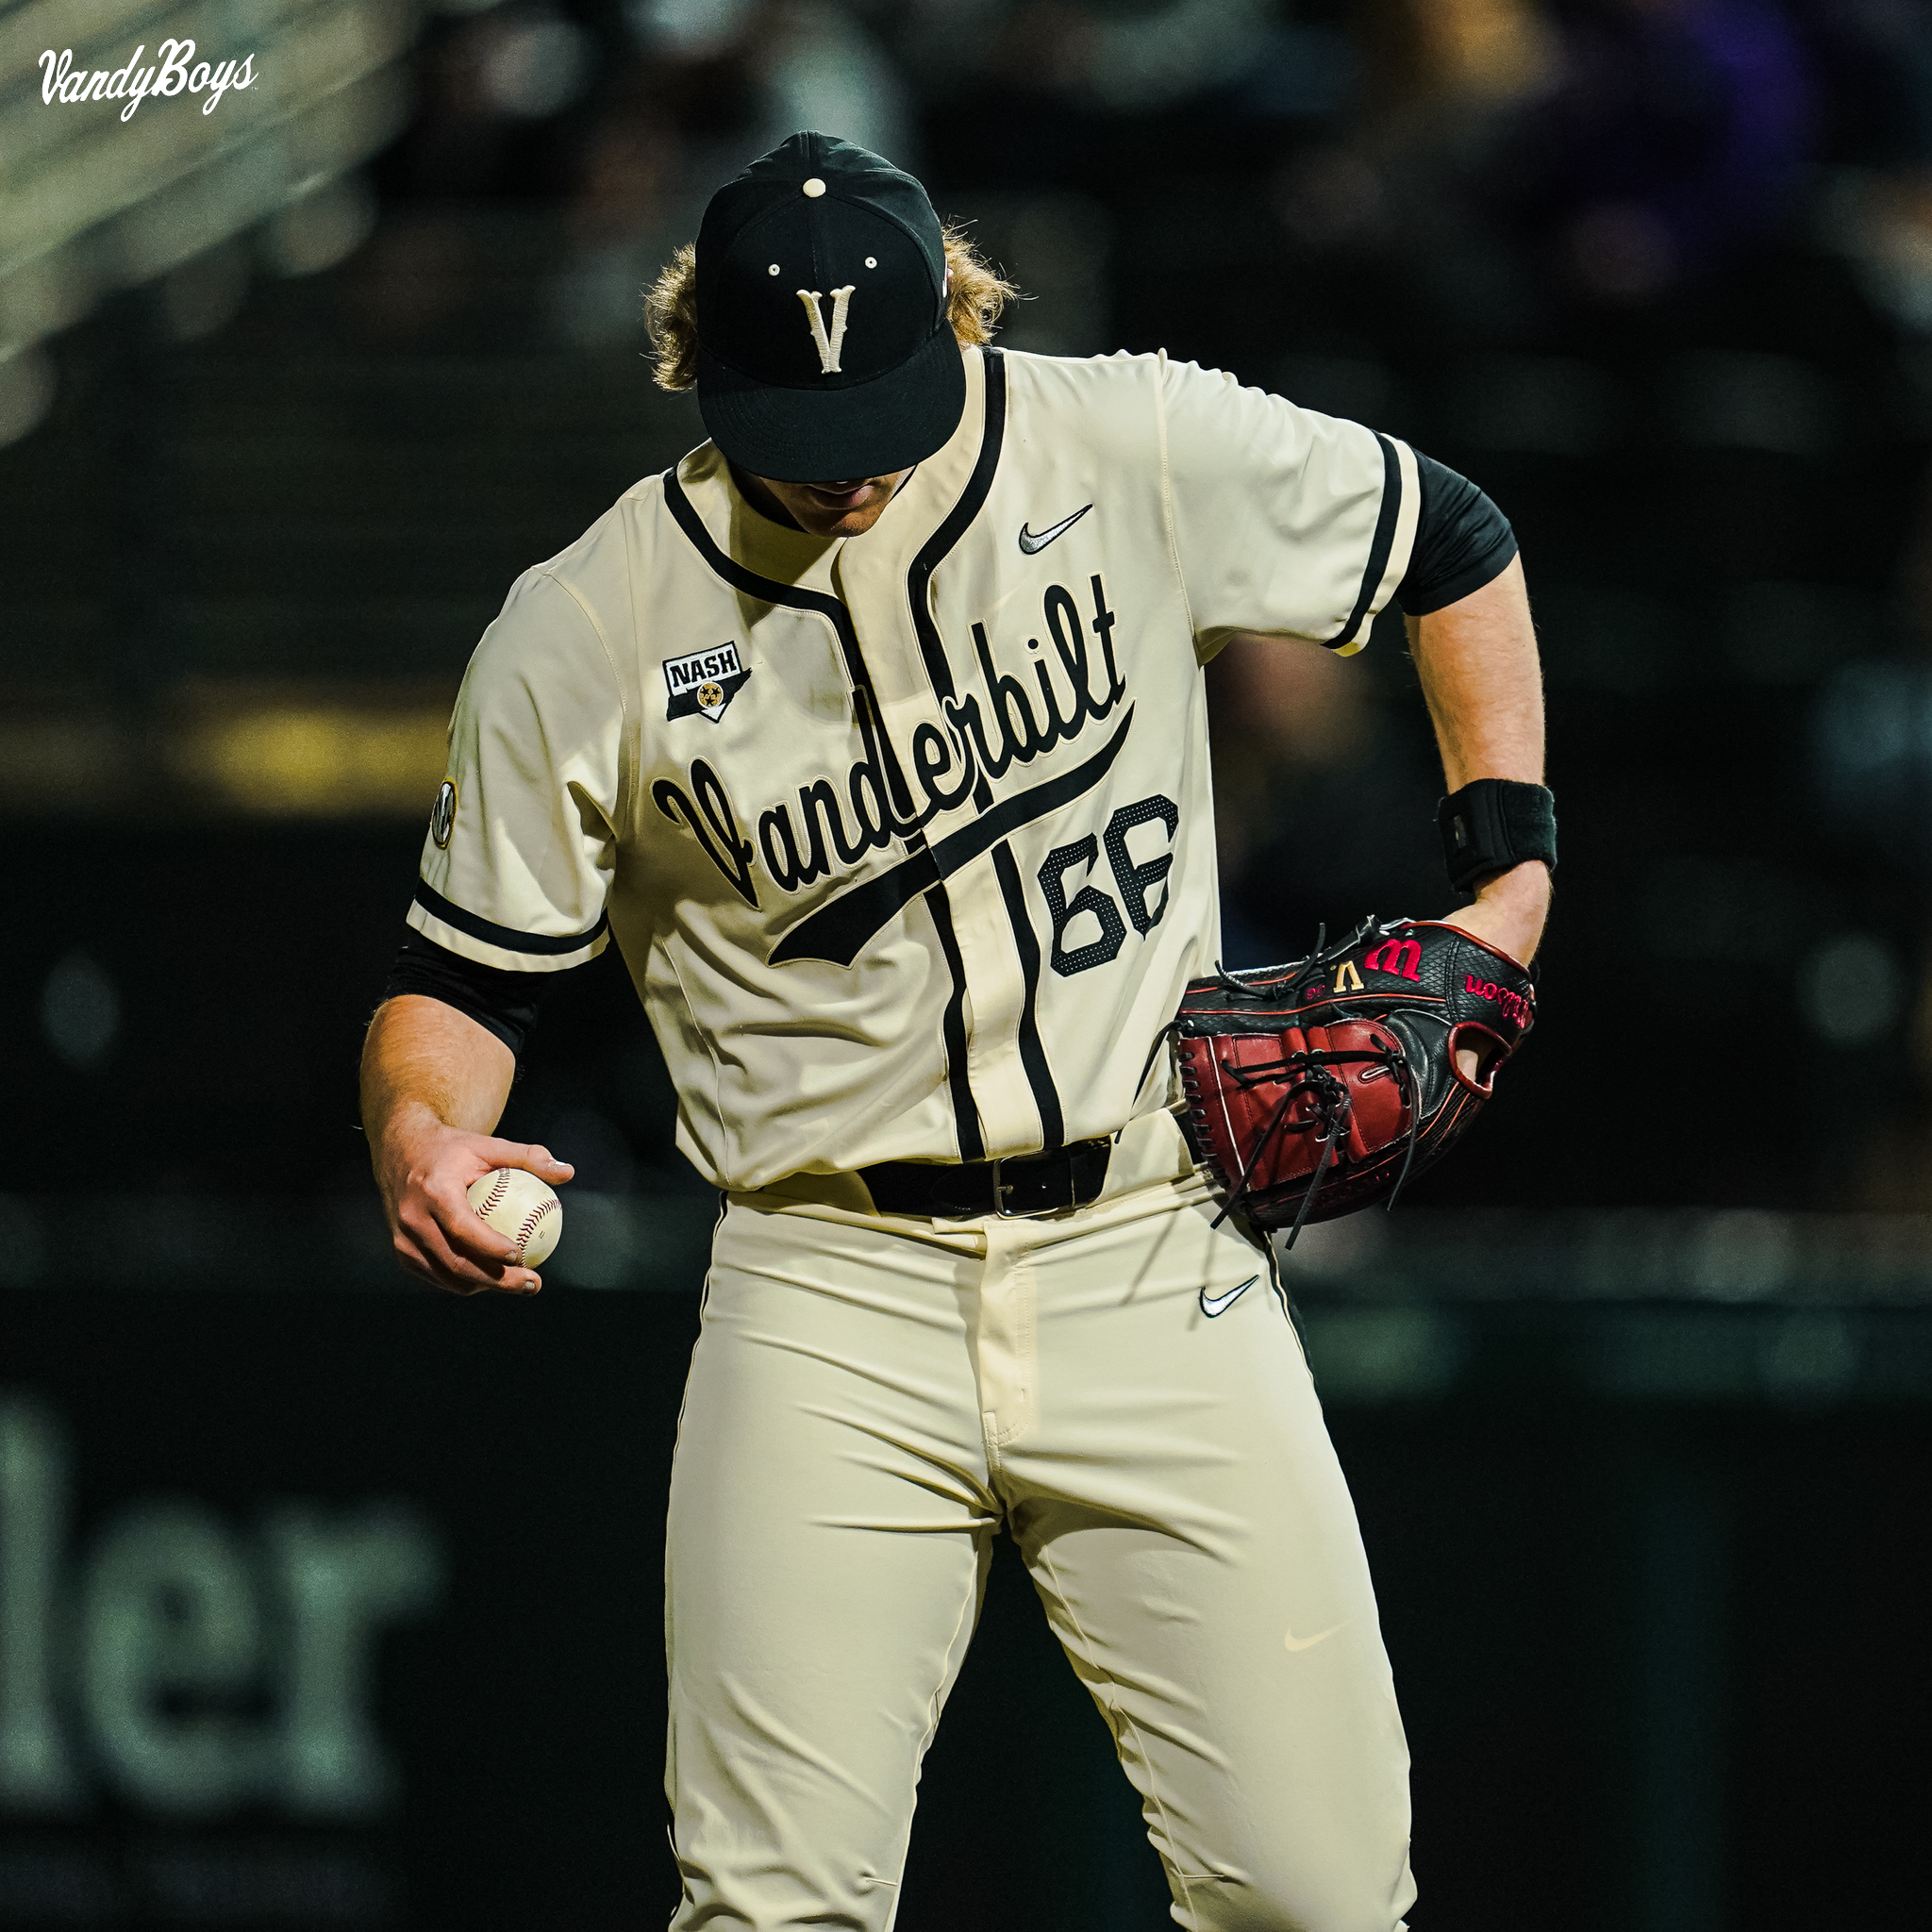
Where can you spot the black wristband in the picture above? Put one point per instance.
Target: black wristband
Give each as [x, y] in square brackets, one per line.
[1494, 824]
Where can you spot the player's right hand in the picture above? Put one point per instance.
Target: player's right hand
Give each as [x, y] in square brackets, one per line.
[425, 1171]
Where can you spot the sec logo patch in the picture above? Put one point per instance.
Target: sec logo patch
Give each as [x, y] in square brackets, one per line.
[442, 814]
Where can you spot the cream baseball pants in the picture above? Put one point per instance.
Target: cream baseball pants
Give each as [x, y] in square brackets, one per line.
[871, 1399]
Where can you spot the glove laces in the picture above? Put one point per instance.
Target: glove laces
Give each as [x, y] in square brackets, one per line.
[1331, 1109]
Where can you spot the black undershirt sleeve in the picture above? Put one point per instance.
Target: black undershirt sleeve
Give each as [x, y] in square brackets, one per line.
[1462, 541]
[504, 1002]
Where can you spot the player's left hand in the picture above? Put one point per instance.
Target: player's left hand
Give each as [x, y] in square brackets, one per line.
[1509, 912]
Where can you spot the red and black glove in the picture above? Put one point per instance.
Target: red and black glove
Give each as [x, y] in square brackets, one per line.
[1319, 1087]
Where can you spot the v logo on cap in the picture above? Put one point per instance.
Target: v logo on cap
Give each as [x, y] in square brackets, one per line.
[828, 347]
[828, 400]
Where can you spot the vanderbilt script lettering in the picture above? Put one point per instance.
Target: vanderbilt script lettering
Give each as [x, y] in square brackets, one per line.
[710, 822]
[831, 827]
[948, 765]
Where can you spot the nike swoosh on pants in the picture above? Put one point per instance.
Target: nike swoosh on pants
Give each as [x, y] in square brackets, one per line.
[1215, 1305]
[1293, 1643]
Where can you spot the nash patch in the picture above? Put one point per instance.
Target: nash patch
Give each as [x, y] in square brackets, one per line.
[705, 681]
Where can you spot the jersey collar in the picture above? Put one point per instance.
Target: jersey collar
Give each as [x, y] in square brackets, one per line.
[795, 558]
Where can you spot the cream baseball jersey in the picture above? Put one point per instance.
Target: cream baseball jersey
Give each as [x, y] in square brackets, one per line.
[907, 839]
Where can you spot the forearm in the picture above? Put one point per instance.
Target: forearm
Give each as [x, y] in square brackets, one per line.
[424, 1063]
[1483, 685]
[1477, 662]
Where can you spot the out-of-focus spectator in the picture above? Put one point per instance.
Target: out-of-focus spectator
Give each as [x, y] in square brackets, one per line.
[1518, 159]
[702, 88]
[1131, 58]
[1457, 54]
[629, 207]
[1672, 131]
[486, 85]
[801, 63]
[1876, 57]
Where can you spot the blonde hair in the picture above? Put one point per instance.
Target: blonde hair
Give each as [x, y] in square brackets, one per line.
[978, 293]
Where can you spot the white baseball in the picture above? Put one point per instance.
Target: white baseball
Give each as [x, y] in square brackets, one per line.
[519, 1206]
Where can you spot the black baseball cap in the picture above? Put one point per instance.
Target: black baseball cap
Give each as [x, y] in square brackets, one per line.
[824, 348]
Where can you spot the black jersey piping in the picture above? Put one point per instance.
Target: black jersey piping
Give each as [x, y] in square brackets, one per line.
[918, 586]
[940, 674]
[770, 590]
[953, 1031]
[542, 945]
[1379, 546]
[953, 1023]
[1053, 1125]
[940, 544]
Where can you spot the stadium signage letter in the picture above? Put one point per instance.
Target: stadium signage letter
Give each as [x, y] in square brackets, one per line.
[197, 1668]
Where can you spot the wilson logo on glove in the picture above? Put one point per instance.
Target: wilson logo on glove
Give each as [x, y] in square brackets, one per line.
[1400, 957]
[1306, 1103]
[1512, 1004]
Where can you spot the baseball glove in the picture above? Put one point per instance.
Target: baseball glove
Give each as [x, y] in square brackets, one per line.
[1319, 1087]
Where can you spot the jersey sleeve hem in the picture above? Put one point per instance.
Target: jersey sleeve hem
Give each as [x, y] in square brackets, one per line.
[1390, 548]
[472, 937]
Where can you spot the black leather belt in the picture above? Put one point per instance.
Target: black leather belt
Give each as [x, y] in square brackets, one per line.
[1040, 1184]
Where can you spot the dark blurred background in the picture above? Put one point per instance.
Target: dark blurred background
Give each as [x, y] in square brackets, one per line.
[326, 1602]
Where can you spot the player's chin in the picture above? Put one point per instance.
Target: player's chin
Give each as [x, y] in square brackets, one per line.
[844, 512]
[851, 522]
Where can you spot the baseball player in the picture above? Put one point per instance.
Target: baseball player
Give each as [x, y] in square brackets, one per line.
[873, 733]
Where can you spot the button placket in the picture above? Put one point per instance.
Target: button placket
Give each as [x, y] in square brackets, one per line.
[1005, 1347]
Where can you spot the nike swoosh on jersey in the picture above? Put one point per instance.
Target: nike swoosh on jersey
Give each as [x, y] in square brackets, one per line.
[1215, 1305]
[1293, 1643]
[1032, 544]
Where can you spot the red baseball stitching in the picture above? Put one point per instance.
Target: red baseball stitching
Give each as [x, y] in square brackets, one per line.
[529, 1227]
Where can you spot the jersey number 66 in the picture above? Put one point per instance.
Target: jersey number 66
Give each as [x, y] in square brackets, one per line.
[1133, 882]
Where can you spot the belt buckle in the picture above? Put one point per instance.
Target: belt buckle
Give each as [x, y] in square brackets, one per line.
[1000, 1190]
[1003, 1189]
